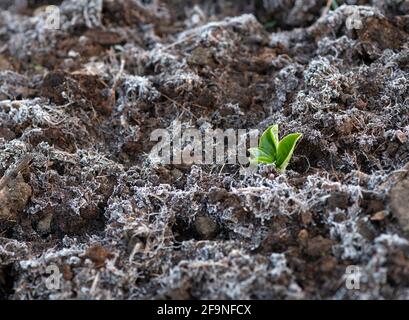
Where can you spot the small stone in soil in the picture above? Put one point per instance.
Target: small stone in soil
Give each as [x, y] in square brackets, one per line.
[206, 227]
[399, 204]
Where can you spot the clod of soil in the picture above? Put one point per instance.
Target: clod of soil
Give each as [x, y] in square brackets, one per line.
[13, 200]
[78, 106]
[206, 227]
[399, 203]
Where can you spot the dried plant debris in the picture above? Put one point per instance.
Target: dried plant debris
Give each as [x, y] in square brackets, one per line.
[79, 194]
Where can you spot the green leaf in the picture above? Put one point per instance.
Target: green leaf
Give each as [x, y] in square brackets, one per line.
[269, 141]
[273, 151]
[334, 5]
[270, 24]
[285, 150]
[274, 135]
[259, 160]
[260, 156]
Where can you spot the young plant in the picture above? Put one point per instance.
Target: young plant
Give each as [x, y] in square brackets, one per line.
[334, 5]
[272, 150]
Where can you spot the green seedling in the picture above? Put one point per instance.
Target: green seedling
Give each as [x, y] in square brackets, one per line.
[270, 24]
[272, 150]
[334, 5]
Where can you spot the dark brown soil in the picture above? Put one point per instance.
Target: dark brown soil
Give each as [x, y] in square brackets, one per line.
[78, 105]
